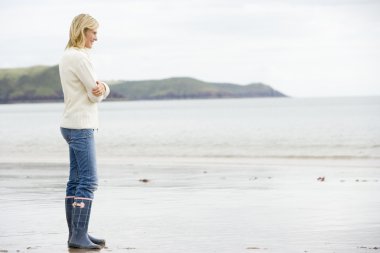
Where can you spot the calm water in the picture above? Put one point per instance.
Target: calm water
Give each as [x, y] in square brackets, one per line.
[318, 128]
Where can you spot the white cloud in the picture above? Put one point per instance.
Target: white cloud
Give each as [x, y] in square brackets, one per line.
[302, 48]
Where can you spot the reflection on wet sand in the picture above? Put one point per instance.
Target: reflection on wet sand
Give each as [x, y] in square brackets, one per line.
[197, 207]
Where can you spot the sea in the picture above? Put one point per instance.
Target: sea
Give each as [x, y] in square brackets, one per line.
[342, 128]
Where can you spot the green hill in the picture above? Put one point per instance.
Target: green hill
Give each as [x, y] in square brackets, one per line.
[185, 87]
[30, 84]
[41, 83]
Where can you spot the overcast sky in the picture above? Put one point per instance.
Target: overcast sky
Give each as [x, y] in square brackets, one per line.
[303, 48]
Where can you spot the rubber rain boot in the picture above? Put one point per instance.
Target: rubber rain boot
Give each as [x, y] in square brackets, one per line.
[79, 225]
[69, 200]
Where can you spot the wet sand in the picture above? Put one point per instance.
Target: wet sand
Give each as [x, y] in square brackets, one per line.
[199, 207]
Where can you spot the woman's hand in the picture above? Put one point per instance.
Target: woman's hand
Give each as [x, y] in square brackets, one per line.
[99, 90]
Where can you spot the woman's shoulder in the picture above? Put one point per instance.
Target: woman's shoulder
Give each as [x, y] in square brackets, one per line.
[76, 54]
[74, 57]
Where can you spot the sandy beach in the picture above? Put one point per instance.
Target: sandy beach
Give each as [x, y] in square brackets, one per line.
[205, 206]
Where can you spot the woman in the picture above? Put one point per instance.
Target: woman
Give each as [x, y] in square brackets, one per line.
[82, 91]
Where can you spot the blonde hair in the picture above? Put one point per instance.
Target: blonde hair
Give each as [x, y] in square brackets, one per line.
[79, 26]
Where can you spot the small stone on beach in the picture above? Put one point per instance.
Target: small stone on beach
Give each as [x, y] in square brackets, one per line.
[364, 247]
[322, 179]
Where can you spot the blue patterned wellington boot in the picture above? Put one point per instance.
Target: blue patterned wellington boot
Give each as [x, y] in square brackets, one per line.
[79, 225]
[69, 200]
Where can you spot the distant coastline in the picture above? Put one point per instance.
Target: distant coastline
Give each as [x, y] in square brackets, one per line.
[41, 84]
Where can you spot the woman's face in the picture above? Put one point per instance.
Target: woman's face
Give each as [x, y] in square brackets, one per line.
[90, 37]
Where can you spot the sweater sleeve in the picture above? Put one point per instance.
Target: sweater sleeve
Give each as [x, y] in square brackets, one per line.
[87, 76]
[107, 90]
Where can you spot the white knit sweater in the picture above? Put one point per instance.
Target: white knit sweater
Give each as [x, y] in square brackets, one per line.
[78, 79]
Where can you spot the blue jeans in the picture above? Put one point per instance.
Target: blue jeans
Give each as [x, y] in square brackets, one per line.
[83, 179]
